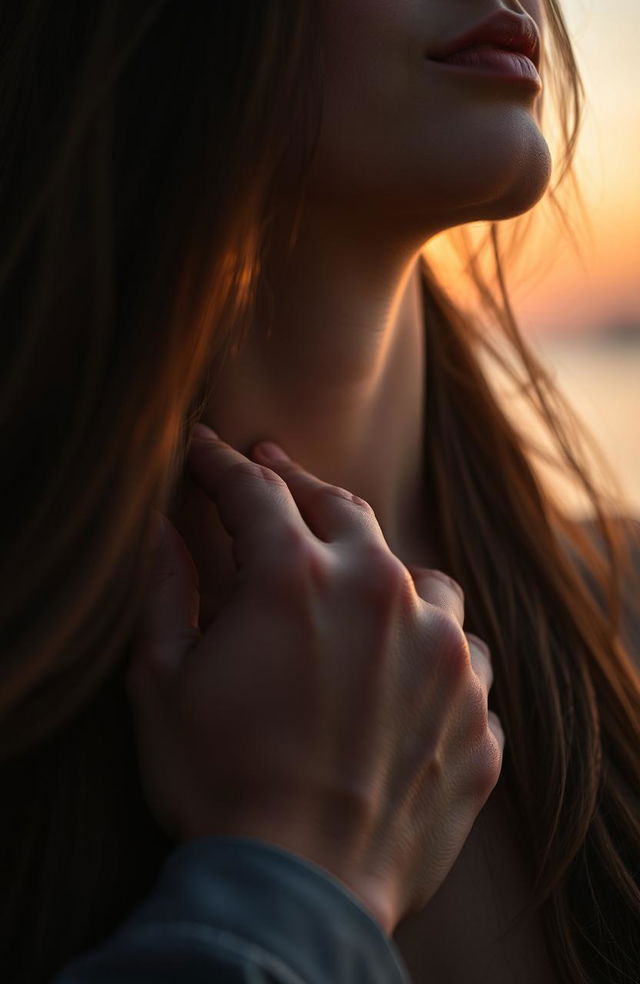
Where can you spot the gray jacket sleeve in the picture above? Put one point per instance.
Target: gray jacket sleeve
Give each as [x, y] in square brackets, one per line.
[236, 910]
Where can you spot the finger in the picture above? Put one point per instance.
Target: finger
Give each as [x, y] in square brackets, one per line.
[332, 512]
[255, 506]
[481, 659]
[437, 588]
[168, 624]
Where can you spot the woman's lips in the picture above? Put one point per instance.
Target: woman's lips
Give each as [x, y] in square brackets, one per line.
[489, 61]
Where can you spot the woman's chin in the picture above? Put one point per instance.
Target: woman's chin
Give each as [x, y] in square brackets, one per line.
[526, 190]
[505, 194]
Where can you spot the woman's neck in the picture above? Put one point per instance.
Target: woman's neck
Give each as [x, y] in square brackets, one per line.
[333, 370]
[336, 376]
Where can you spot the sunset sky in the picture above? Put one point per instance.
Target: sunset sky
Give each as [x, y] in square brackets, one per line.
[564, 293]
[606, 38]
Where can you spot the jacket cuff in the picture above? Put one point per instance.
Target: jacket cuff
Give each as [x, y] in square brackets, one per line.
[278, 901]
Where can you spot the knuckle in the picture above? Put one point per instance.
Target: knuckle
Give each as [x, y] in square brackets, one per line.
[341, 493]
[484, 765]
[336, 491]
[266, 474]
[297, 558]
[450, 643]
[480, 643]
[488, 764]
[449, 631]
[362, 504]
[481, 659]
[244, 471]
[380, 573]
[476, 711]
[320, 493]
[450, 581]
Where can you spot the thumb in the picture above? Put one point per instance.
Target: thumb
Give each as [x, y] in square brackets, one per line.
[168, 624]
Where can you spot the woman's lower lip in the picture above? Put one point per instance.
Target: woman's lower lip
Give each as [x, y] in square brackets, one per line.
[492, 63]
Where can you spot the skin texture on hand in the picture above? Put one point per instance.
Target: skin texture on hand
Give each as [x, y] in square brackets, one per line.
[334, 706]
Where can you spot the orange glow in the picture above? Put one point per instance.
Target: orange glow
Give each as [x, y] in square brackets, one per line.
[554, 291]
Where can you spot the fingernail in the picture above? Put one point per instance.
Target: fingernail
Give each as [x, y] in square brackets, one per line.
[201, 431]
[270, 451]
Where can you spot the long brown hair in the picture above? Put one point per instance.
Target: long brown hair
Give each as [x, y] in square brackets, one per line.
[143, 145]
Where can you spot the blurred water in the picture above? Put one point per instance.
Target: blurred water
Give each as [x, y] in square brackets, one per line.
[601, 379]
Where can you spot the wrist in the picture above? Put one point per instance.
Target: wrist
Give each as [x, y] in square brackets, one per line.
[374, 893]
